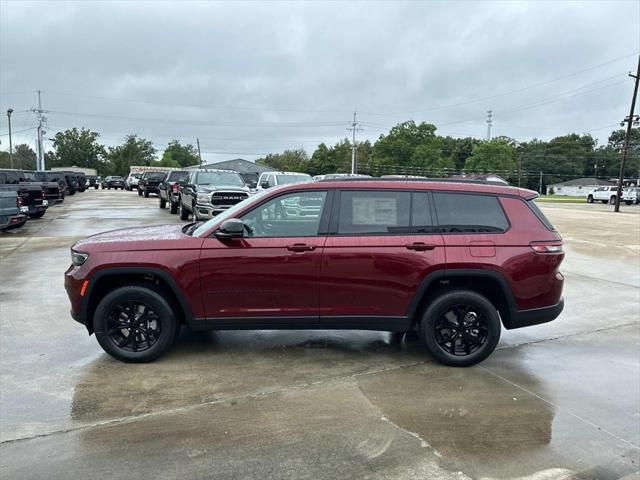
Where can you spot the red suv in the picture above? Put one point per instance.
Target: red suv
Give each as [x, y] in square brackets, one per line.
[449, 260]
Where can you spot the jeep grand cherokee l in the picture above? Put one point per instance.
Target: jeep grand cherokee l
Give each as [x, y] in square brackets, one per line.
[450, 260]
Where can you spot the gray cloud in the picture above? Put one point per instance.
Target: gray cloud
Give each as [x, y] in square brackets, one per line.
[252, 78]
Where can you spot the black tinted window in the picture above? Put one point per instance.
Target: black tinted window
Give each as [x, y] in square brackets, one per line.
[374, 212]
[458, 212]
[177, 176]
[420, 213]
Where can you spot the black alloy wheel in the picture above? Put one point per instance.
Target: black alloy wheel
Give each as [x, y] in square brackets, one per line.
[460, 328]
[133, 326]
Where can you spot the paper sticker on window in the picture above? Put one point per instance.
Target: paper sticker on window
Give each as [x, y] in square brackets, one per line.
[374, 211]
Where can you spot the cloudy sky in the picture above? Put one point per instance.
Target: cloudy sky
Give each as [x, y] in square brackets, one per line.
[253, 78]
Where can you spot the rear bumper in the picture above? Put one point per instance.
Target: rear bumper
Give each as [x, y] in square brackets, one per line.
[535, 316]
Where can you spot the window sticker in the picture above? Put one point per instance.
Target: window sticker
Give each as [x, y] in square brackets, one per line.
[374, 211]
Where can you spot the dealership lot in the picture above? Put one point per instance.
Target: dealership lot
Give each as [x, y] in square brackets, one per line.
[560, 399]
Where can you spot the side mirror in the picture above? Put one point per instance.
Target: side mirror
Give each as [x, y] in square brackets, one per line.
[264, 184]
[231, 228]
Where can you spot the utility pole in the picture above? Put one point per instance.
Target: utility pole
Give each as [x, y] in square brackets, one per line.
[489, 123]
[41, 121]
[630, 121]
[199, 154]
[9, 112]
[540, 184]
[353, 129]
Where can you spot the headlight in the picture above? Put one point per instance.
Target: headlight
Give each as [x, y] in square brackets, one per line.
[78, 258]
[204, 197]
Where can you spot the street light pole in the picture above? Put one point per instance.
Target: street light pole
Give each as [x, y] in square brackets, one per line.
[9, 112]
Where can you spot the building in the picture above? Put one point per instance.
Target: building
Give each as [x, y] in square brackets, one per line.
[86, 171]
[250, 171]
[579, 187]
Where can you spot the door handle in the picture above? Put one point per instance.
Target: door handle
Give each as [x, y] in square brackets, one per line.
[420, 246]
[301, 247]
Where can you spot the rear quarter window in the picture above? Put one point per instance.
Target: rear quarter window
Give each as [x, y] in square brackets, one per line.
[541, 216]
[469, 213]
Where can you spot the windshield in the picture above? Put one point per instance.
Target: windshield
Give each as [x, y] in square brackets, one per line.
[155, 175]
[219, 178]
[135, 175]
[177, 176]
[29, 176]
[287, 179]
[116, 178]
[230, 212]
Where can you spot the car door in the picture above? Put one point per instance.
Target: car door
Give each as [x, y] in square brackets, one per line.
[381, 246]
[270, 276]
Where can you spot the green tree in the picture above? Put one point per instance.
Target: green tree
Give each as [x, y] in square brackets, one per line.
[179, 156]
[493, 156]
[134, 151]
[78, 148]
[287, 161]
[23, 158]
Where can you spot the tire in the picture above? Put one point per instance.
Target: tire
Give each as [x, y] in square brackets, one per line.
[184, 213]
[37, 214]
[590, 199]
[146, 194]
[628, 202]
[173, 207]
[108, 188]
[434, 328]
[163, 203]
[612, 200]
[115, 341]
[139, 192]
[95, 186]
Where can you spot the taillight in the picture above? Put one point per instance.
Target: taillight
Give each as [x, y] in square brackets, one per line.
[547, 247]
[174, 187]
[18, 201]
[43, 194]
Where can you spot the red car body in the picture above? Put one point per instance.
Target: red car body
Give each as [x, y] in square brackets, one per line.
[374, 282]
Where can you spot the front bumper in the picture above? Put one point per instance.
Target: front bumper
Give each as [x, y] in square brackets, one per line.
[209, 211]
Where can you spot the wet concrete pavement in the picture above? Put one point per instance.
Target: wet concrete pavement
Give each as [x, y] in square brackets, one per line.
[560, 400]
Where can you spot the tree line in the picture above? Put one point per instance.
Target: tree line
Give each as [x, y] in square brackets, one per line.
[408, 148]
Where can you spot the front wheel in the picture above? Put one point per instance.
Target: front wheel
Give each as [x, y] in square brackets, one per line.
[134, 324]
[612, 200]
[460, 328]
[139, 192]
[184, 213]
[173, 207]
[95, 187]
[163, 203]
[590, 199]
[146, 194]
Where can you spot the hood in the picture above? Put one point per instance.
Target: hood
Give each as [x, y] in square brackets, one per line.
[226, 188]
[159, 237]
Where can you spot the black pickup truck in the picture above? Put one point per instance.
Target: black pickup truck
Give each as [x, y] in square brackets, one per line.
[169, 189]
[59, 177]
[149, 183]
[34, 203]
[52, 192]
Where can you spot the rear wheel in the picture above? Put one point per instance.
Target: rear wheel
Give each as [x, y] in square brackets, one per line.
[135, 324]
[460, 328]
[612, 200]
[146, 194]
[590, 199]
[173, 207]
[37, 214]
[139, 192]
[163, 203]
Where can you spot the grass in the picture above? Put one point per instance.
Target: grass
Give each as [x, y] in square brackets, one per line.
[560, 199]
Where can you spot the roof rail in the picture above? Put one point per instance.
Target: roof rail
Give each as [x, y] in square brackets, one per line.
[379, 179]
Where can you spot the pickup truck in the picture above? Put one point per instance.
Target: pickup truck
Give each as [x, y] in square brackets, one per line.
[11, 215]
[46, 176]
[603, 194]
[32, 194]
[51, 189]
[631, 195]
[169, 189]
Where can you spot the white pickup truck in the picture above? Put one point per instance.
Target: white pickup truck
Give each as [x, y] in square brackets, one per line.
[603, 194]
[631, 195]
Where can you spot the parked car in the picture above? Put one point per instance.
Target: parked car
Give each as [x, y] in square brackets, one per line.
[274, 179]
[603, 194]
[207, 192]
[113, 181]
[149, 182]
[59, 177]
[449, 260]
[132, 180]
[12, 212]
[92, 181]
[52, 192]
[32, 194]
[169, 189]
[631, 195]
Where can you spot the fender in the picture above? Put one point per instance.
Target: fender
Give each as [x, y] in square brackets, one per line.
[111, 271]
[444, 274]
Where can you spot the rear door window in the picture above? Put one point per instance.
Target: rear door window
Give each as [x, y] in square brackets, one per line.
[374, 212]
[469, 213]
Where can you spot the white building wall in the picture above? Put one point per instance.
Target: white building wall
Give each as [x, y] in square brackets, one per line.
[573, 191]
